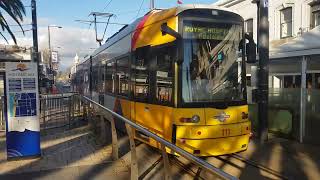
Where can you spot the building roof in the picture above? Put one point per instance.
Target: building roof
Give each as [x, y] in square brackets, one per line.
[307, 44]
[14, 53]
[227, 3]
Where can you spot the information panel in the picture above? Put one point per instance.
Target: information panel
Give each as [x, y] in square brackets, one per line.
[22, 100]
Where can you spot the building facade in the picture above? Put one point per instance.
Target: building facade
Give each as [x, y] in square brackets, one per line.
[287, 18]
[294, 64]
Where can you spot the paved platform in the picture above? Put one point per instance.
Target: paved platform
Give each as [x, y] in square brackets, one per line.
[287, 158]
[78, 154]
[74, 154]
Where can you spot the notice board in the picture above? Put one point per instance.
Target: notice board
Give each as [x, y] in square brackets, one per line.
[22, 115]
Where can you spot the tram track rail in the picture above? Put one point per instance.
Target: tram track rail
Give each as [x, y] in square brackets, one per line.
[197, 174]
[258, 166]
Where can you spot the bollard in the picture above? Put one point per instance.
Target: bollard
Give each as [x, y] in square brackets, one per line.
[103, 131]
[134, 162]
[69, 114]
[166, 164]
[115, 146]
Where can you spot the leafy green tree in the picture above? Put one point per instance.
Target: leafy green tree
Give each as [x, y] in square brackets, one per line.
[15, 9]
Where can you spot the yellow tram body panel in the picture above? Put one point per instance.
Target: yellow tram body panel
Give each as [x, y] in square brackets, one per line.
[205, 138]
[148, 32]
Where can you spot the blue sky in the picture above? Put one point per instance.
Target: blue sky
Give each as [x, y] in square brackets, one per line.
[77, 37]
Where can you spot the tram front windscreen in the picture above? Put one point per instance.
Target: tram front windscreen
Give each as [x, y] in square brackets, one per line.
[211, 71]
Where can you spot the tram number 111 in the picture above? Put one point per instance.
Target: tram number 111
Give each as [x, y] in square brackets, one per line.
[226, 132]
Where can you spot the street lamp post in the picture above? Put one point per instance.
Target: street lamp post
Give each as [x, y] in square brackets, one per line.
[50, 53]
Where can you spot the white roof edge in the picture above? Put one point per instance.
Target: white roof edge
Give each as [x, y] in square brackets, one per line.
[222, 2]
[308, 52]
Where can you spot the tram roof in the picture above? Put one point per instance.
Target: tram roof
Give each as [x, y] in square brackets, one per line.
[125, 30]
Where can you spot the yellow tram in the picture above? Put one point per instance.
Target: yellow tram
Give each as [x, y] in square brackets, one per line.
[178, 72]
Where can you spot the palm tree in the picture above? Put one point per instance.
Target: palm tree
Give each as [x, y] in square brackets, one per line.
[15, 9]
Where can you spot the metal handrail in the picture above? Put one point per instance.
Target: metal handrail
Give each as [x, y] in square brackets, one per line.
[203, 164]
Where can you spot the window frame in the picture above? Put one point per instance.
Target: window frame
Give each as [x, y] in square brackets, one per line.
[246, 26]
[152, 76]
[281, 23]
[158, 68]
[314, 9]
[126, 57]
[112, 92]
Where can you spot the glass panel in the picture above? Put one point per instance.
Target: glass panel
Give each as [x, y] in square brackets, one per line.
[109, 78]
[101, 83]
[123, 76]
[283, 112]
[286, 29]
[286, 22]
[164, 74]
[316, 17]
[312, 124]
[95, 77]
[210, 71]
[286, 15]
[249, 27]
[141, 70]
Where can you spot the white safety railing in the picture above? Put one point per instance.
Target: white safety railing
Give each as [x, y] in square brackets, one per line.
[91, 105]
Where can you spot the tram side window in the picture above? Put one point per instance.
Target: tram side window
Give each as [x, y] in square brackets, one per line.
[95, 72]
[141, 87]
[123, 76]
[164, 75]
[101, 83]
[109, 77]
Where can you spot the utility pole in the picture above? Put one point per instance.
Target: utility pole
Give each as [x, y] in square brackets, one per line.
[35, 31]
[35, 50]
[50, 54]
[50, 59]
[263, 74]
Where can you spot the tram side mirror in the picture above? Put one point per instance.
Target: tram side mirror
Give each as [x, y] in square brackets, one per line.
[251, 52]
[165, 29]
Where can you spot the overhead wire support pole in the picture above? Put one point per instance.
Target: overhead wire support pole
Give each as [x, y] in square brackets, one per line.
[151, 4]
[95, 28]
[35, 50]
[263, 75]
[35, 31]
[95, 14]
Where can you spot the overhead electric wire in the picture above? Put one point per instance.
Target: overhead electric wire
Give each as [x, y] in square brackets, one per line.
[99, 22]
[107, 6]
[17, 31]
[105, 29]
[19, 25]
[139, 9]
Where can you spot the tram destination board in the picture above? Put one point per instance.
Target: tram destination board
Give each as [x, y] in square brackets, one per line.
[204, 31]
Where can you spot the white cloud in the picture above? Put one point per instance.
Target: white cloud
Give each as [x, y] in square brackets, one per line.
[71, 40]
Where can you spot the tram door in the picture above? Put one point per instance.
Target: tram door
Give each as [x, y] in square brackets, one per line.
[153, 93]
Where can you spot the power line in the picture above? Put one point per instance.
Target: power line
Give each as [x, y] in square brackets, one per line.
[18, 31]
[107, 6]
[139, 9]
[129, 12]
[99, 22]
[19, 25]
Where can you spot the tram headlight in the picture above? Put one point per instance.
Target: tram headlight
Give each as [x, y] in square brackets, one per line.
[193, 119]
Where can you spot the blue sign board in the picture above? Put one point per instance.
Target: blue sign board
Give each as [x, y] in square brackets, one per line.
[22, 115]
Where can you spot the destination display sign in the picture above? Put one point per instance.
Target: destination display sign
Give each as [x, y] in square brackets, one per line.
[202, 32]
